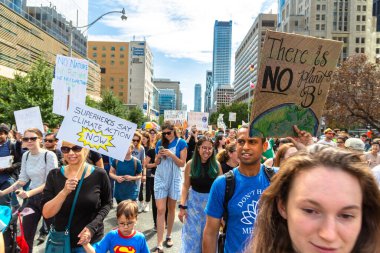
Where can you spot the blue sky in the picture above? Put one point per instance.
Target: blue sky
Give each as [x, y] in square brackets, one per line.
[179, 32]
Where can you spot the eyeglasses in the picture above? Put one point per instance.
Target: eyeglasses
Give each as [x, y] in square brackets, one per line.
[75, 149]
[204, 148]
[166, 133]
[340, 142]
[135, 140]
[129, 223]
[50, 141]
[27, 139]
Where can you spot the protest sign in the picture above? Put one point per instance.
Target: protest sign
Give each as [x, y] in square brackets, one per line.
[199, 119]
[232, 116]
[97, 130]
[178, 118]
[220, 122]
[69, 83]
[29, 118]
[293, 83]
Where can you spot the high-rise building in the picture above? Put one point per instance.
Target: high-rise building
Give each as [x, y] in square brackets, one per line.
[348, 21]
[221, 61]
[197, 98]
[223, 96]
[376, 13]
[113, 60]
[167, 100]
[247, 56]
[208, 92]
[25, 39]
[164, 83]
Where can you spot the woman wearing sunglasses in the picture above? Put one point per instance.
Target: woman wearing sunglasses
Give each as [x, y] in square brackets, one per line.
[94, 199]
[171, 156]
[35, 165]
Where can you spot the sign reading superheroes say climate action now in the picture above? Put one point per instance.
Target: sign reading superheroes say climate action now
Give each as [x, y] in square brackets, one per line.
[97, 130]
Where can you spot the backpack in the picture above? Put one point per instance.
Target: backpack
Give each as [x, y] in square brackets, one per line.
[27, 156]
[229, 192]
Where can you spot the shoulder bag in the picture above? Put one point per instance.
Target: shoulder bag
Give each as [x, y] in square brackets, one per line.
[59, 241]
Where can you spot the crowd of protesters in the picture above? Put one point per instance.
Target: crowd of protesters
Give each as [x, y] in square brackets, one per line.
[299, 194]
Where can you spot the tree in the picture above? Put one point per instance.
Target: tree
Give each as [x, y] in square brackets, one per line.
[354, 95]
[136, 116]
[113, 105]
[92, 103]
[240, 108]
[33, 89]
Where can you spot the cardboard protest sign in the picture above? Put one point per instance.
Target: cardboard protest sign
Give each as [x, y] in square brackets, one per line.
[97, 130]
[178, 118]
[199, 119]
[28, 118]
[232, 116]
[293, 83]
[69, 83]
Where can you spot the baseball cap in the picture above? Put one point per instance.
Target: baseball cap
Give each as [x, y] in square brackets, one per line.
[355, 144]
[4, 128]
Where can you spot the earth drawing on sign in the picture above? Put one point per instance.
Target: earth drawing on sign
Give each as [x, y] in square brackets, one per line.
[279, 121]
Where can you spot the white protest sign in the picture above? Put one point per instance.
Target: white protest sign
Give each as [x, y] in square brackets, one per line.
[71, 71]
[97, 130]
[28, 118]
[199, 119]
[232, 116]
[178, 118]
[65, 95]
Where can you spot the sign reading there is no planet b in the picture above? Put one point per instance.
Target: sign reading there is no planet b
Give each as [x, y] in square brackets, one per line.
[293, 83]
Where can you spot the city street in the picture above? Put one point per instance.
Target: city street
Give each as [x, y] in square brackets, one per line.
[144, 225]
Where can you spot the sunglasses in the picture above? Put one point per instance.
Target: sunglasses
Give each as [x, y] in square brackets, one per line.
[75, 149]
[50, 141]
[27, 139]
[166, 133]
[135, 140]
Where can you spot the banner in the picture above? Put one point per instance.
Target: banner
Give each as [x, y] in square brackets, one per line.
[232, 116]
[69, 83]
[200, 119]
[97, 130]
[178, 118]
[293, 83]
[29, 118]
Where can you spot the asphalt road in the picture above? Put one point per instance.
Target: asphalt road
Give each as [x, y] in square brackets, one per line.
[144, 225]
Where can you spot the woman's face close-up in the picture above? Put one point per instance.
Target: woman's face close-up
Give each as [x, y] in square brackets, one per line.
[323, 211]
[205, 150]
[31, 141]
[72, 153]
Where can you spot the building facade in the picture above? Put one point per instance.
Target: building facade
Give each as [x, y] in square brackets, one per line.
[197, 98]
[24, 40]
[221, 61]
[167, 100]
[247, 56]
[164, 83]
[223, 96]
[113, 60]
[351, 22]
[208, 92]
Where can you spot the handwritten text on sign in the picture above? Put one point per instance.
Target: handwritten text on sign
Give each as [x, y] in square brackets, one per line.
[97, 130]
[71, 71]
[293, 82]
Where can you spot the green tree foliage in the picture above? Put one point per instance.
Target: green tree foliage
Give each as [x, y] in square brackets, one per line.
[136, 116]
[240, 108]
[112, 105]
[31, 90]
[354, 95]
[92, 103]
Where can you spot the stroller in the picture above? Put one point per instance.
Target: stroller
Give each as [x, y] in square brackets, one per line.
[10, 233]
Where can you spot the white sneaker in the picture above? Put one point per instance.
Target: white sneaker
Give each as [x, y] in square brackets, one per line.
[140, 206]
[146, 209]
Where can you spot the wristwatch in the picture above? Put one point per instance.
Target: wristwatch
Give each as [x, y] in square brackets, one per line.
[182, 207]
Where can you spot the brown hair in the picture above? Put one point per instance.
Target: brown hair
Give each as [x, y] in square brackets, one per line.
[281, 153]
[147, 135]
[35, 131]
[223, 156]
[271, 231]
[170, 126]
[128, 208]
[140, 137]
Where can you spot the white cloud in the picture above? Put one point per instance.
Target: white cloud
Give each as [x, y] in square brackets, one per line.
[183, 28]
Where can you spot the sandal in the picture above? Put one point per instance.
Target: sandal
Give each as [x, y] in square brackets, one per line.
[169, 242]
[158, 250]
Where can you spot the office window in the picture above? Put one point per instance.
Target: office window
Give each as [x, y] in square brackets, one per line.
[363, 40]
[94, 55]
[323, 17]
[121, 55]
[323, 27]
[357, 28]
[363, 18]
[122, 48]
[317, 27]
[121, 62]
[318, 17]
[378, 41]
[359, 8]
[362, 50]
[318, 7]
[112, 62]
[358, 18]
[363, 28]
[104, 55]
[364, 8]
[377, 50]
[323, 7]
[356, 50]
[112, 48]
[104, 48]
[357, 40]
[94, 48]
[112, 55]
[121, 94]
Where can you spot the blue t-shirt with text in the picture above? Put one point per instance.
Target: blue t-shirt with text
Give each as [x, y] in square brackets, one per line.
[115, 242]
[242, 207]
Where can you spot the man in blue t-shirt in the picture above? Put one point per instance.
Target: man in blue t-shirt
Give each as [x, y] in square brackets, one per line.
[250, 182]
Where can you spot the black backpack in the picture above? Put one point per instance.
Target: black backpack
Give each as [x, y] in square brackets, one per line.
[229, 192]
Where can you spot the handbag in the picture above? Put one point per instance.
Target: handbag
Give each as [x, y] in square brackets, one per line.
[59, 241]
[21, 242]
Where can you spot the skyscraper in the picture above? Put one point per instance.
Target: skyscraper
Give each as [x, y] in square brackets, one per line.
[197, 98]
[221, 62]
[208, 92]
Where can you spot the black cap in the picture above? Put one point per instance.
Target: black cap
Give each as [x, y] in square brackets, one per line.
[4, 128]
